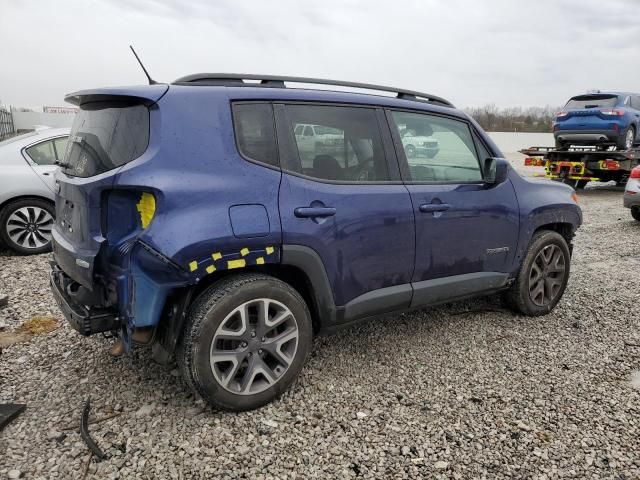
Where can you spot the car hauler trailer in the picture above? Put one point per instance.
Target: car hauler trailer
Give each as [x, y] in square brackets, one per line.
[578, 165]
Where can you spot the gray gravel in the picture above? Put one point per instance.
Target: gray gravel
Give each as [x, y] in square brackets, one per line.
[460, 391]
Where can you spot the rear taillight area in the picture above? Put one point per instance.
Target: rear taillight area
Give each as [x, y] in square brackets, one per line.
[126, 213]
[635, 173]
[612, 112]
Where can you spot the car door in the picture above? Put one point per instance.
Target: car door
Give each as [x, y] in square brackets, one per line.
[344, 200]
[43, 156]
[466, 230]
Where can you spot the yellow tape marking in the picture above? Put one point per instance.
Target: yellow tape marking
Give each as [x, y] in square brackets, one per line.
[146, 208]
[269, 250]
[244, 252]
[211, 269]
[193, 266]
[236, 263]
[216, 256]
[260, 261]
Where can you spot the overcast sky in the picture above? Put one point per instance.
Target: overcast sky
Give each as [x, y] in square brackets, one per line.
[472, 52]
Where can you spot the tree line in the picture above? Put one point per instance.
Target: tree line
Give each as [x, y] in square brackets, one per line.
[513, 119]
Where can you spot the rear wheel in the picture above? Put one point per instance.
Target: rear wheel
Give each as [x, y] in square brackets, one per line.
[25, 225]
[560, 145]
[635, 213]
[543, 275]
[626, 141]
[245, 341]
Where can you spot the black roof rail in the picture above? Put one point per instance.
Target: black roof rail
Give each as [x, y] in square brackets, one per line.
[238, 79]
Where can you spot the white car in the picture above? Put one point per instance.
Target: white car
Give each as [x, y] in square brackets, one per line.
[27, 209]
[632, 193]
[315, 140]
[419, 144]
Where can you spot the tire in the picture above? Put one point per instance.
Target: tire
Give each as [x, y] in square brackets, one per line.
[626, 141]
[523, 299]
[580, 184]
[25, 225]
[635, 213]
[244, 359]
[410, 151]
[560, 145]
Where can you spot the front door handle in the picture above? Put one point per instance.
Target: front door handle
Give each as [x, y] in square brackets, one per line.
[434, 207]
[314, 212]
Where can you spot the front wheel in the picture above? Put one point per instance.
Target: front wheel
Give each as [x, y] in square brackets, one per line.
[543, 275]
[245, 341]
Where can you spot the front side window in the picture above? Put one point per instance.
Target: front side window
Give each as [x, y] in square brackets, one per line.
[337, 143]
[437, 149]
[255, 132]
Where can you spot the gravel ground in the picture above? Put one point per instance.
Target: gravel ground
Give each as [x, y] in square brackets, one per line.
[461, 391]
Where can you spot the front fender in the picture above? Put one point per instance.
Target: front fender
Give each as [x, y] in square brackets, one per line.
[543, 203]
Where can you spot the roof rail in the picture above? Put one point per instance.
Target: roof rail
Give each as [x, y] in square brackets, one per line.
[238, 79]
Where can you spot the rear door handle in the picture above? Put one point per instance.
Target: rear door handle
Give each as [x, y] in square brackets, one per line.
[314, 212]
[434, 207]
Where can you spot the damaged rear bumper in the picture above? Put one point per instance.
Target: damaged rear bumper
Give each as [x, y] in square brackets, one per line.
[86, 319]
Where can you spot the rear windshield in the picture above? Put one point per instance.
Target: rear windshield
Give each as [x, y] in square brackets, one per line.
[105, 136]
[592, 101]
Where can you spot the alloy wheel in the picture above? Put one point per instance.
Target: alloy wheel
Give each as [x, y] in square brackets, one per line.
[30, 227]
[547, 275]
[254, 346]
[629, 138]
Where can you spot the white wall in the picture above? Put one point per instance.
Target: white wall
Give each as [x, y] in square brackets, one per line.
[510, 142]
[28, 120]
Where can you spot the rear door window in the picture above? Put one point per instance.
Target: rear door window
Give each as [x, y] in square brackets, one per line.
[104, 136]
[337, 143]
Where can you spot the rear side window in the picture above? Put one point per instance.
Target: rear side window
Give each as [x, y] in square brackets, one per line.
[255, 132]
[635, 102]
[336, 143]
[437, 149]
[104, 136]
[592, 101]
[43, 153]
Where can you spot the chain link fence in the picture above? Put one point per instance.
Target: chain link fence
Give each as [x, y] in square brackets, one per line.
[6, 124]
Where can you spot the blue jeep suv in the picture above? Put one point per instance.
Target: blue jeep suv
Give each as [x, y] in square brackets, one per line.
[601, 119]
[198, 218]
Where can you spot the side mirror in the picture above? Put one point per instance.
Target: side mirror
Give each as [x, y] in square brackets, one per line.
[495, 170]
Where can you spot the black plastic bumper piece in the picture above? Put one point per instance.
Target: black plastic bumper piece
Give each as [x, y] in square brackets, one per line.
[86, 320]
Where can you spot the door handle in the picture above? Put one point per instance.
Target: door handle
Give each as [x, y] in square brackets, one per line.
[311, 212]
[434, 207]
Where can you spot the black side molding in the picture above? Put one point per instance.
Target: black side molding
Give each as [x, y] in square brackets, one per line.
[307, 260]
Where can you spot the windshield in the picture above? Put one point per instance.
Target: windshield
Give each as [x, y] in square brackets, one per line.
[592, 101]
[104, 136]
